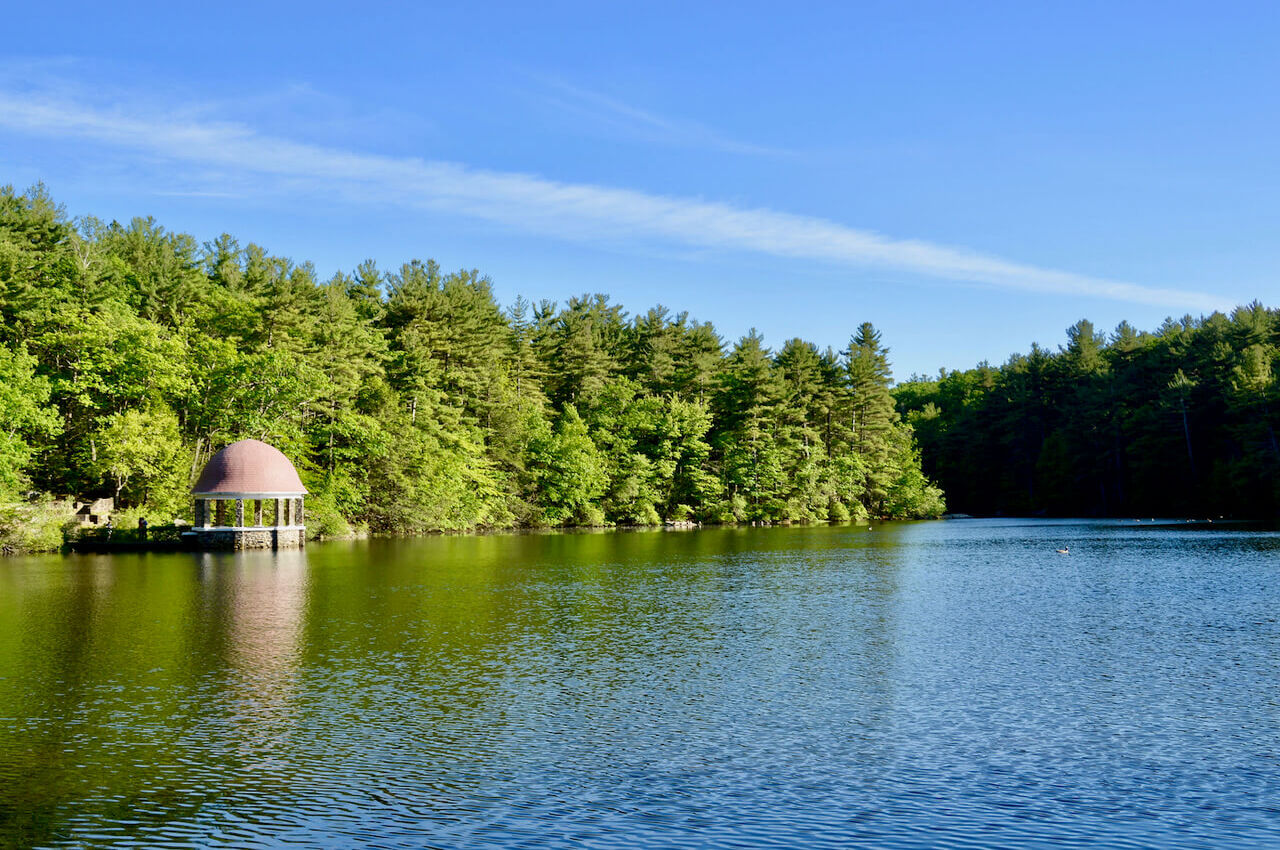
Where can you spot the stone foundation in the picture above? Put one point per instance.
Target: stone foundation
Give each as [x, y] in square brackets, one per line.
[236, 539]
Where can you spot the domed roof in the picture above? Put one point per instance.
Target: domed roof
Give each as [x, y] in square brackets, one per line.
[249, 468]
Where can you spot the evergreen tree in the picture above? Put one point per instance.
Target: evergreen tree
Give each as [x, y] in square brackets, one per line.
[412, 402]
[872, 414]
[746, 407]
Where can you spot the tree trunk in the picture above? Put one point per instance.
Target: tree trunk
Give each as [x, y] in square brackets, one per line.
[195, 461]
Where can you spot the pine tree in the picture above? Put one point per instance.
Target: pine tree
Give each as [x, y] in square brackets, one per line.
[872, 415]
[579, 349]
[413, 402]
[746, 407]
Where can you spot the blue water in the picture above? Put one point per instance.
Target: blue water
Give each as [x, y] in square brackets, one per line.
[955, 684]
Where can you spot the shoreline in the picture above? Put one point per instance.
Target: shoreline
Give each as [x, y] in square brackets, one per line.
[123, 546]
[98, 546]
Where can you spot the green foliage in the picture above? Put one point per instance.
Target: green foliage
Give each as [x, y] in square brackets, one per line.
[25, 418]
[568, 472]
[140, 450]
[435, 479]
[33, 526]
[411, 401]
[872, 417]
[748, 405]
[1180, 421]
[323, 517]
[909, 492]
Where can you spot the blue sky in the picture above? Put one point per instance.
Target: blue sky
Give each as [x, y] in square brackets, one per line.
[969, 177]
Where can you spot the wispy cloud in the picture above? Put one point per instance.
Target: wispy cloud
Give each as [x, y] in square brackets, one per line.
[564, 210]
[194, 193]
[648, 125]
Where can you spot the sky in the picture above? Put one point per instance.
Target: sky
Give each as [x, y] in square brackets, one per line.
[968, 177]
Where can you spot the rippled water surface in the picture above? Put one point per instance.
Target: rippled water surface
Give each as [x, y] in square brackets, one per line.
[951, 683]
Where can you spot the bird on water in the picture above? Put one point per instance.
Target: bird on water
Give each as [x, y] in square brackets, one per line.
[1065, 550]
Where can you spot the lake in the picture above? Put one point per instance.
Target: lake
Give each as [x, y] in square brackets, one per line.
[952, 683]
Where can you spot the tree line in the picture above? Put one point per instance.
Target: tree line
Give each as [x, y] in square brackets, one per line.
[1180, 421]
[409, 398]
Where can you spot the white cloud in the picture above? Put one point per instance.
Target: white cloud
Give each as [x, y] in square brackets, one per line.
[563, 210]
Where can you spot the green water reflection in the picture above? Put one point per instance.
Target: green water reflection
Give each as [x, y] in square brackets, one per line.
[135, 689]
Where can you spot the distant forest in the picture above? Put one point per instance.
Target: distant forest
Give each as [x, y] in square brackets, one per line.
[1176, 422]
[410, 399]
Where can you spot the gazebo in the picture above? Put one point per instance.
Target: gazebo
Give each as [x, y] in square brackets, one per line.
[241, 486]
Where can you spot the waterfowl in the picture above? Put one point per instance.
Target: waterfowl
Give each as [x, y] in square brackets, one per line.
[1065, 550]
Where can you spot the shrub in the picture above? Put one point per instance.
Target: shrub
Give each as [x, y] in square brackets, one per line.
[324, 519]
[34, 526]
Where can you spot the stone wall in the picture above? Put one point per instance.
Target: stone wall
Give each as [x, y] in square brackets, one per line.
[226, 539]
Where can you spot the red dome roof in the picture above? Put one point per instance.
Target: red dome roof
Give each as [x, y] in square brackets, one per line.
[249, 468]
